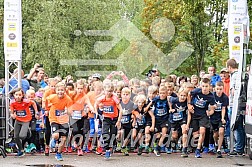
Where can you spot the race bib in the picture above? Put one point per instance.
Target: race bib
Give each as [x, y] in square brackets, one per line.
[21, 113]
[177, 116]
[141, 122]
[125, 119]
[161, 112]
[77, 114]
[108, 109]
[218, 107]
[60, 112]
[199, 102]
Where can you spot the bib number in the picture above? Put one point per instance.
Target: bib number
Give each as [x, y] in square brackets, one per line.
[125, 119]
[59, 112]
[108, 109]
[21, 113]
[77, 114]
[177, 116]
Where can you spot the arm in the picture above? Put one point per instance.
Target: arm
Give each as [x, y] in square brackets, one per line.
[33, 70]
[12, 114]
[211, 111]
[223, 113]
[189, 105]
[189, 117]
[147, 107]
[34, 105]
[118, 123]
[170, 106]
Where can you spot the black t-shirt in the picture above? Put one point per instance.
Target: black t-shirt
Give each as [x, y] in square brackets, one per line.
[33, 111]
[161, 108]
[220, 102]
[201, 102]
[141, 122]
[180, 110]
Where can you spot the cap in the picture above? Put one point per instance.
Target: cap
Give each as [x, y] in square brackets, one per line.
[96, 75]
[224, 70]
[39, 94]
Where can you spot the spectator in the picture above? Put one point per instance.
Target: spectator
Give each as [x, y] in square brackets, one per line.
[13, 82]
[226, 80]
[214, 77]
[36, 77]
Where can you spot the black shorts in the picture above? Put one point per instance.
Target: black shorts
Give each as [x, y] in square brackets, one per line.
[196, 123]
[62, 129]
[126, 132]
[108, 126]
[216, 125]
[176, 125]
[159, 124]
[140, 129]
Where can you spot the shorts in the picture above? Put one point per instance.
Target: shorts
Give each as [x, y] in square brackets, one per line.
[159, 124]
[126, 131]
[108, 126]
[196, 123]
[216, 125]
[140, 129]
[148, 123]
[62, 129]
[91, 127]
[177, 125]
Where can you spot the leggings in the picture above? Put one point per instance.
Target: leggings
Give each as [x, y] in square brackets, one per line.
[20, 133]
[48, 131]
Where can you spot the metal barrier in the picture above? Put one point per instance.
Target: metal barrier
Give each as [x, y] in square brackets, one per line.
[2, 120]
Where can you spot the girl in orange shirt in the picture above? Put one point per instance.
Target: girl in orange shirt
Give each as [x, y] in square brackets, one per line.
[111, 105]
[58, 116]
[19, 109]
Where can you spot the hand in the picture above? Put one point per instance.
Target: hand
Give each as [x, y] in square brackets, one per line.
[13, 116]
[118, 125]
[187, 127]
[46, 112]
[152, 129]
[190, 108]
[223, 121]
[42, 126]
[171, 110]
[120, 73]
[36, 66]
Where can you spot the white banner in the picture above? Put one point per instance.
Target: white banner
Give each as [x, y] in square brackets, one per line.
[248, 116]
[12, 30]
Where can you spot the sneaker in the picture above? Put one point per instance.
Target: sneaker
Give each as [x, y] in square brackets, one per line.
[47, 151]
[219, 154]
[69, 149]
[147, 149]
[64, 150]
[80, 152]
[33, 148]
[125, 151]
[27, 149]
[197, 153]
[107, 154]
[118, 146]
[157, 151]
[205, 150]
[98, 151]
[233, 153]
[85, 149]
[140, 150]
[168, 150]
[226, 151]
[211, 148]
[58, 156]
[20, 154]
[184, 154]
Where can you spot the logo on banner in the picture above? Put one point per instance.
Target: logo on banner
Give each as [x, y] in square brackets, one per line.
[234, 0]
[12, 36]
[12, 27]
[237, 29]
[236, 48]
[237, 39]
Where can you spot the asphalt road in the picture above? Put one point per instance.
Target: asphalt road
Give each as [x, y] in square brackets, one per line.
[133, 160]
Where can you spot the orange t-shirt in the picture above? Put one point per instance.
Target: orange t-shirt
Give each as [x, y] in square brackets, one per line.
[46, 94]
[92, 97]
[227, 86]
[22, 110]
[109, 106]
[57, 113]
[71, 94]
[77, 108]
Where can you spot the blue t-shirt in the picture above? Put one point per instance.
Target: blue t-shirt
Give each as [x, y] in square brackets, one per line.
[180, 110]
[215, 78]
[14, 84]
[220, 102]
[161, 108]
[201, 102]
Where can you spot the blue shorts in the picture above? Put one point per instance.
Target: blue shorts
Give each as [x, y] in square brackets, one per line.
[92, 128]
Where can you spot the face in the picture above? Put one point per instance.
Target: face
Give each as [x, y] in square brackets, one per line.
[205, 88]
[70, 88]
[30, 96]
[52, 86]
[18, 95]
[118, 93]
[194, 80]
[80, 89]
[108, 92]
[140, 103]
[60, 91]
[169, 91]
[227, 75]
[182, 96]
[41, 74]
[125, 96]
[202, 73]
[211, 71]
[163, 95]
[222, 75]
[219, 90]
[97, 90]
[151, 95]
[46, 79]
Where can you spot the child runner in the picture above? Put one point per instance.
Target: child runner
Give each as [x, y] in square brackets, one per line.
[139, 120]
[58, 117]
[19, 110]
[198, 102]
[125, 117]
[178, 117]
[111, 105]
[161, 113]
[218, 121]
[50, 91]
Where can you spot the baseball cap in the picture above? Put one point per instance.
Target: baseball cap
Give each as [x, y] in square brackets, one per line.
[224, 70]
[96, 75]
